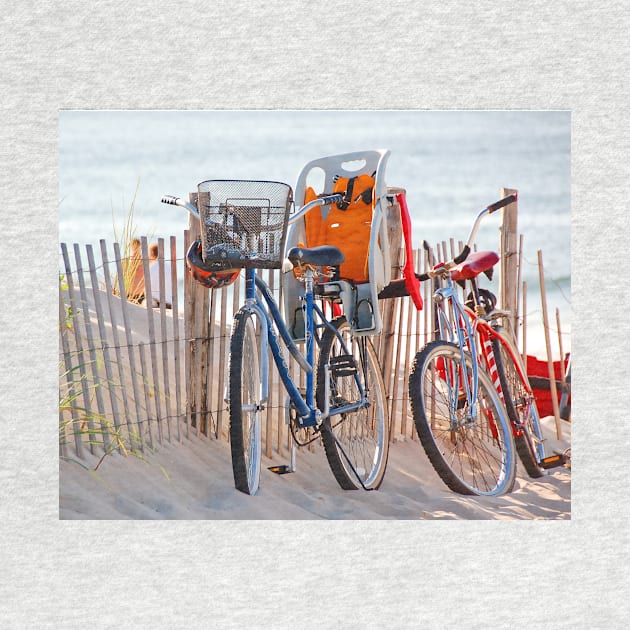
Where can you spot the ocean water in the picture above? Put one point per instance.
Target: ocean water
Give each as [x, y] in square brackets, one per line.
[451, 163]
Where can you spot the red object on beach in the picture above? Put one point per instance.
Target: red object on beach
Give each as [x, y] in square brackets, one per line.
[411, 282]
[538, 374]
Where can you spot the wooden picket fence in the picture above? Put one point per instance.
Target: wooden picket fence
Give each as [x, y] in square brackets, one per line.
[121, 383]
[134, 376]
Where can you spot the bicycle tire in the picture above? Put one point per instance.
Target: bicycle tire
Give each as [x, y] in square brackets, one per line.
[471, 457]
[522, 412]
[245, 408]
[363, 434]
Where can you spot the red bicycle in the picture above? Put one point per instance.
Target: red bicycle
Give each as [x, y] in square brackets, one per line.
[471, 332]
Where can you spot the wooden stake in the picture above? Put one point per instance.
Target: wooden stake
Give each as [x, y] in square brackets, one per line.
[148, 301]
[524, 347]
[562, 376]
[552, 376]
[507, 251]
[163, 336]
[519, 267]
[176, 345]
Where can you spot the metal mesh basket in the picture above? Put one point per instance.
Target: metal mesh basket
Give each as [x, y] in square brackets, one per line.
[244, 223]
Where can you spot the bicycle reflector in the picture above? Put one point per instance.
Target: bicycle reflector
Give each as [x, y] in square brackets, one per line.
[210, 278]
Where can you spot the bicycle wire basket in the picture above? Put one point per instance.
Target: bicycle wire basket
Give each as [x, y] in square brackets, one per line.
[244, 222]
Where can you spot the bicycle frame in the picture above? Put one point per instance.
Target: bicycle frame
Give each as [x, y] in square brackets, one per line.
[460, 324]
[487, 333]
[260, 301]
[456, 323]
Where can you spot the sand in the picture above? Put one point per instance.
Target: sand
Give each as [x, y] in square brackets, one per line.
[193, 480]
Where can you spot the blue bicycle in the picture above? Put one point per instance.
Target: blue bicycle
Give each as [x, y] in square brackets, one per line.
[244, 226]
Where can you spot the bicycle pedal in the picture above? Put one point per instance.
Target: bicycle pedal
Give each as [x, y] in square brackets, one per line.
[280, 470]
[342, 365]
[553, 461]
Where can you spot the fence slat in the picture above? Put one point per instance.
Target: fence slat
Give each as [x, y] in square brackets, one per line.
[163, 332]
[85, 315]
[188, 289]
[147, 391]
[205, 361]
[103, 337]
[129, 339]
[69, 374]
[148, 301]
[116, 338]
[176, 346]
[524, 335]
[407, 363]
[396, 365]
[552, 375]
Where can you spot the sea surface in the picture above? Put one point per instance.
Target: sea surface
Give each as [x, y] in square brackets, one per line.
[451, 163]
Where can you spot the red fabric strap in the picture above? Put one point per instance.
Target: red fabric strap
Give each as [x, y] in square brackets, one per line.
[411, 282]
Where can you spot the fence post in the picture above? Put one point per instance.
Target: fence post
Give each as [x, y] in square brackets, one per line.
[197, 347]
[388, 312]
[508, 250]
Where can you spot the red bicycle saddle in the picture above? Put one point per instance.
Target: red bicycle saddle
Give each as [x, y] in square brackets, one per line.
[476, 263]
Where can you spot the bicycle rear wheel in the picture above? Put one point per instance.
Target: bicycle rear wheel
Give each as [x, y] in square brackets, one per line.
[470, 447]
[245, 403]
[521, 409]
[356, 442]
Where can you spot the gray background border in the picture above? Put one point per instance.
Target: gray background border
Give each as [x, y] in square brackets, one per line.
[196, 55]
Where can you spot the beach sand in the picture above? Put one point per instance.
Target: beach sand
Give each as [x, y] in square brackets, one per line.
[193, 480]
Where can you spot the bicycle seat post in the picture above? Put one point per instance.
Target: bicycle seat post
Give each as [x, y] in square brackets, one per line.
[308, 280]
[310, 334]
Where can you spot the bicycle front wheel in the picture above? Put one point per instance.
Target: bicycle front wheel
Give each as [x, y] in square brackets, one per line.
[356, 442]
[245, 403]
[469, 445]
[521, 409]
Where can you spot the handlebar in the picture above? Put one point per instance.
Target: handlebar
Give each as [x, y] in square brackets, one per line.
[506, 201]
[320, 201]
[443, 268]
[177, 201]
[493, 207]
[323, 200]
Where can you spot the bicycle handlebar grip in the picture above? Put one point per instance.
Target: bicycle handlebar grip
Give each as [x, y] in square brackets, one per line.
[170, 200]
[493, 207]
[462, 255]
[332, 198]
